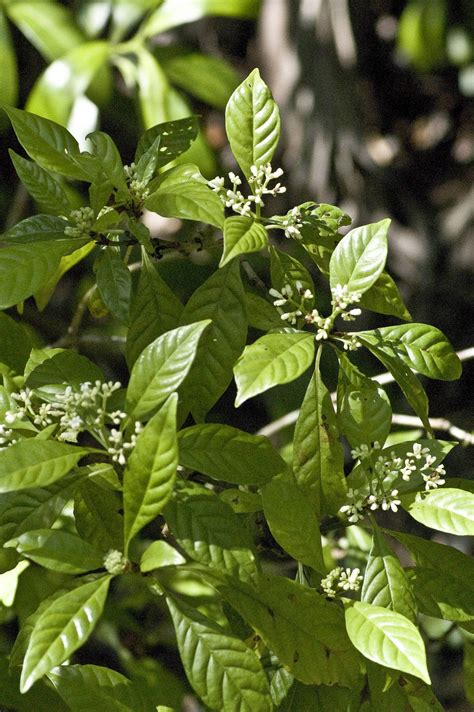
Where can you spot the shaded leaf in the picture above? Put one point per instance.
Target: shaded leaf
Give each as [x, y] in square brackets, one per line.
[114, 283]
[40, 184]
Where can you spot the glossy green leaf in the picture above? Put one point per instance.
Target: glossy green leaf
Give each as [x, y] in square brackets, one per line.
[252, 123]
[175, 139]
[293, 521]
[208, 530]
[36, 463]
[97, 517]
[151, 470]
[448, 510]
[9, 73]
[220, 298]
[15, 344]
[58, 550]
[104, 148]
[385, 582]
[159, 554]
[40, 228]
[304, 630]
[228, 454]
[114, 282]
[62, 628]
[384, 297]
[155, 309]
[65, 366]
[182, 192]
[66, 79]
[161, 368]
[87, 687]
[210, 79]
[41, 185]
[47, 143]
[49, 26]
[359, 258]
[387, 638]
[242, 235]
[223, 670]
[421, 346]
[170, 15]
[318, 458]
[262, 314]
[431, 554]
[272, 360]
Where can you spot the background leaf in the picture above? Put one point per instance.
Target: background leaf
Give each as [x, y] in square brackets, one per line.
[9, 74]
[169, 15]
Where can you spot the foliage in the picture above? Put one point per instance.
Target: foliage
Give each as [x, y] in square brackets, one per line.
[180, 509]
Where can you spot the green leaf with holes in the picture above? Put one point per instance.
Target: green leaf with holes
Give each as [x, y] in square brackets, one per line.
[359, 258]
[252, 123]
[175, 137]
[242, 235]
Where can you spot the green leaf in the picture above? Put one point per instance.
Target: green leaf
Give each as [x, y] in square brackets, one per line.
[153, 88]
[182, 192]
[146, 166]
[87, 687]
[49, 26]
[440, 595]
[228, 454]
[272, 360]
[155, 309]
[66, 79]
[359, 258]
[63, 366]
[468, 669]
[222, 669]
[242, 235]
[151, 470]
[62, 628]
[40, 184]
[448, 510]
[293, 521]
[108, 154]
[161, 368]
[41, 699]
[47, 143]
[9, 74]
[384, 297]
[210, 79]
[170, 15]
[404, 376]
[286, 270]
[208, 530]
[261, 314]
[36, 463]
[37, 229]
[58, 550]
[252, 123]
[97, 518]
[175, 139]
[385, 582]
[422, 347]
[364, 410]
[15, 344]
[114, 283]
[318, 459]
[304, 630]
[387, 638]
[221, 298]
[159, 554]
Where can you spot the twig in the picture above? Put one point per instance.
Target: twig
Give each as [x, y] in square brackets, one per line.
[72, 336]
[254, 279]
[384, 378]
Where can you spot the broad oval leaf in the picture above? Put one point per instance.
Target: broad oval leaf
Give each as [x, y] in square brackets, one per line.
[151, 470]
[387, 638]
[40, 184]
[223, 670]
[447, 510]
[208, 530]
[161, 368]
[228, 454]
[36, 463]
[159, 554]
[358, 260]
[384, 297]
[252, 123]
[62, 628]
[272, 360]
[421, 346]
[241, 236]
[182, 192]
[58, 550]
[91, 687]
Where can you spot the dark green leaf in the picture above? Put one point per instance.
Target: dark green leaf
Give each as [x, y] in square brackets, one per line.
[67, 366]
[175, 139]
[40, 184]
[261, 314]
[114, 283]
[15, 344]
[96, 514]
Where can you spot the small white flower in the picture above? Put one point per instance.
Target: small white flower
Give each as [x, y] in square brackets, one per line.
[115, 562]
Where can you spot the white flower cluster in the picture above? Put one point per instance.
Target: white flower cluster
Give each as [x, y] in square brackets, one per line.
[118, 447]
[83, 218]
[340, 579]
[341, 298]
[355, 509]
[285, 299]
[292, 223]
[324, 324]
[6, 437]
[115, 562]
[259, 183]
[138, 188]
